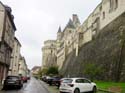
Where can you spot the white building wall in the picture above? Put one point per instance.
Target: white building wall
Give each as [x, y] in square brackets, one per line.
[2, 11]
[14, 65]
[9, 33]
[83, 27]
[111, 15]
[60, 58]
[90, 21]
[23, 67]
[87, 36]
[49, 49]
[104, 7]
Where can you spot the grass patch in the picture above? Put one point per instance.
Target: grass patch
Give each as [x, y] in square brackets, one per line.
[107, 85]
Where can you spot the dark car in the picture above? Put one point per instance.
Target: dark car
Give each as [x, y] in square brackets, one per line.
[13, 81]
[49, 80]
[54, 81]
[45, 78]
[28, 77]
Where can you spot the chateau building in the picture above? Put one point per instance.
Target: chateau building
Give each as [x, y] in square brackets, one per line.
[76, 35]
[67, 40]
[55, 51]
[7, 32]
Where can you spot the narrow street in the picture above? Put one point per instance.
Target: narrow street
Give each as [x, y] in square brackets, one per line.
[32, 86]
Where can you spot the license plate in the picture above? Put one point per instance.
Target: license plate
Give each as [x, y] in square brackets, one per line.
[11, 82]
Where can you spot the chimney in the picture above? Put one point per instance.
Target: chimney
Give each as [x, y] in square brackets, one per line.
[75, 17]
[8, 8]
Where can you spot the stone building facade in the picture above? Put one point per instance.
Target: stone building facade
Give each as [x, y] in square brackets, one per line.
[7, 32]
[35, 70]
[67, 40]
[23, 69]
[104, 14]
[49, 53]
[14, 65]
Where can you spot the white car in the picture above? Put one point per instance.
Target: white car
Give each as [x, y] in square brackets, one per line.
[77, 85]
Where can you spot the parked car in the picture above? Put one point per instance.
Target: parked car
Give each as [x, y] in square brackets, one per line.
[24, 79]
[49, 80]
[13, 81]
[44, 78]
[77, 85]
[61, 80]
[28, 77]
[54, 81]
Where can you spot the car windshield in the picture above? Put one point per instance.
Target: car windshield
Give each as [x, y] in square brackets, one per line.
[67, 81]
[12, 77]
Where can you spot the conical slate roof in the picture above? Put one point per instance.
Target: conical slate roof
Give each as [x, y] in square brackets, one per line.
[76, 21]
[59, 30]
[70, 24]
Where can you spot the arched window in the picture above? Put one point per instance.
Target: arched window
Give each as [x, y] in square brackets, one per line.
[111, 4]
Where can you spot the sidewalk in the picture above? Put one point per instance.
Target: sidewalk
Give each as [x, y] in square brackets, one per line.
[1, 87]
[51, 89]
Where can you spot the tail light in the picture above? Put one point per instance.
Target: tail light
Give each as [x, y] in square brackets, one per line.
[71, 85]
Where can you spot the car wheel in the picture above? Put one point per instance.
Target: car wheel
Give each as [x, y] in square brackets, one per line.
[94, 90]
[76, 91]
[4, 88]
[50, 84]
[21, 85]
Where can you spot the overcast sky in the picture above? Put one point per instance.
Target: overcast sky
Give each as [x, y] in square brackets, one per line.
[38, 20]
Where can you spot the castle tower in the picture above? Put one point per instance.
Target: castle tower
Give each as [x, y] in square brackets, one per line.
[59, 34]
[75, 19]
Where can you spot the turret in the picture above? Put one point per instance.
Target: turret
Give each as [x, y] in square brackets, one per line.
[59, 34]
[75, 19]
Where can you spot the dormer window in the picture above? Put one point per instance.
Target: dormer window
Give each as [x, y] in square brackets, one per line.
[116, 4]
[113, 5]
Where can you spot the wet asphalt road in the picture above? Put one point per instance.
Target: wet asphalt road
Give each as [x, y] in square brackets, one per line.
[32, 86]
